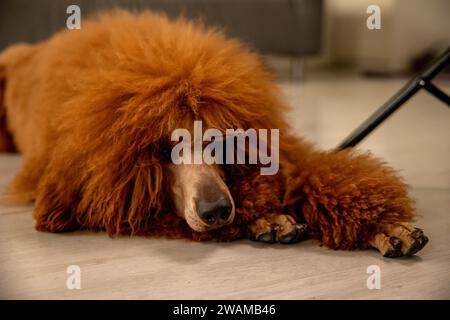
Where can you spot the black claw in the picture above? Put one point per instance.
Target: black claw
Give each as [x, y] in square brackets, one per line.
[296, 235]
[418, 245]
[392, 253]
[417, 233]
[266, 237]
[413, 248]
[395, 250]
[424, 242]
[395, 242]
[289, 238]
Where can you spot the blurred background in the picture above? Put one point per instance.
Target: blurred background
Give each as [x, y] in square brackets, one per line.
[296, 34]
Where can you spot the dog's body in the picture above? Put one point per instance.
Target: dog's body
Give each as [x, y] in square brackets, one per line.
[92, 111]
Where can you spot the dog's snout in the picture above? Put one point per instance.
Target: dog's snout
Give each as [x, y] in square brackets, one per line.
[215, 212]
[201, 196]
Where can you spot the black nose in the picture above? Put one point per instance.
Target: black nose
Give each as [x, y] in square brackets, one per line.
[215, 213]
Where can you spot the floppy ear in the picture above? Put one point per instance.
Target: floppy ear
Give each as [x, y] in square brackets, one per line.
[6, 141]
[124, 194]
[118, 195]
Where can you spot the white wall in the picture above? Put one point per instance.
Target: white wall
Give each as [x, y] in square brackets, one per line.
[408, 27]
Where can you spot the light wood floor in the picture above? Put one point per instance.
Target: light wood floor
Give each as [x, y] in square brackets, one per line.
[326, 108]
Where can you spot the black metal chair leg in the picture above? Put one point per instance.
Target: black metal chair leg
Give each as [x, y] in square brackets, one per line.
[438, 93]
[422, 80]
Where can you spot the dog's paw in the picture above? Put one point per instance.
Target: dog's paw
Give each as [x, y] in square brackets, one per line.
[399, 240]
[277, 228]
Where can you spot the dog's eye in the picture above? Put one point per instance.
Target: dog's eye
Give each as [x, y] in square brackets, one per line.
[166, 153]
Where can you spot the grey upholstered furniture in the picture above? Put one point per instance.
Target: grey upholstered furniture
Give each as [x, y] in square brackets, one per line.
[271, 26]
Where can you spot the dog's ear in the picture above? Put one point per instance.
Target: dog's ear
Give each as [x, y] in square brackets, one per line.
[6, 140]
[116, 195]
[124, 194]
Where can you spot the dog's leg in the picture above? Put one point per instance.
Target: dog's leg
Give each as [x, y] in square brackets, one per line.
[399, 240]
[14, 64]
[6, 141]
[388, 246]
[260, 211]
[277, 228]
[352, 201]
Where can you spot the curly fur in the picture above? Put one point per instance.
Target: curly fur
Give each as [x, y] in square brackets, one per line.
[92, 110]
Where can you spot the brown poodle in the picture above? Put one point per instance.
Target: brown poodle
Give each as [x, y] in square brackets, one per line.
[92, 111]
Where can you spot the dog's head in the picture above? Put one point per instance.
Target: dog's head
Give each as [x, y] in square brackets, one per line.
[197, 186]
[197, 179]
[200, 192]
